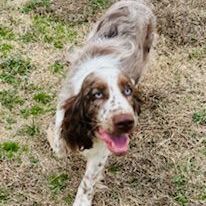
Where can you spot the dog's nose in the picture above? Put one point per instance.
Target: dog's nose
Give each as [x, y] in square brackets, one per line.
[123, 123]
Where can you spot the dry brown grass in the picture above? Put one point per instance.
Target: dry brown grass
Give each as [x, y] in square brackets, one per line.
[166, 164]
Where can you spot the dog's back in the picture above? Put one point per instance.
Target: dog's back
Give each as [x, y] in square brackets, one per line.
[129, 25]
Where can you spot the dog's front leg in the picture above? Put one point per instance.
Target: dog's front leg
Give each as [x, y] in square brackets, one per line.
[95, 165]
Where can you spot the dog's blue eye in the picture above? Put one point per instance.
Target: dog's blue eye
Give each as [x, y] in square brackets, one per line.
[98, 95]
[127, 91]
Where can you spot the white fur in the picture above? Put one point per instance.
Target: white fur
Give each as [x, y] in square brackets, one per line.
[117, 102]
[129, 56]
[92, 65]
[96, 159]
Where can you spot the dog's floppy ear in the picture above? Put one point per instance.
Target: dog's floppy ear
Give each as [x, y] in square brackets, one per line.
[137, 102]
[76, 126]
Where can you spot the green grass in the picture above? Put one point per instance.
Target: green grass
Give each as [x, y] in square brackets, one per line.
[42, 97]
[57, 182]
[4, 195]
[10, 120]
[14, 70]
[5, 49]
[29, 37]
[32, 111]
[6, 33]
[197, 53]
[114, 168]
[98, 4]
[36, 110]
[57, 67]
[46, 30]
[203, 195]
[8, 149]
[10, 99]
[30, 130]
[200, 117]
[34, 4]
[181, 199]
[180, 183]
[69, 199]
[33, 160]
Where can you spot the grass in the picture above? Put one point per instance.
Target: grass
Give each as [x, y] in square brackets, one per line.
[30, 130]
[69, 199]
[57, 67]
[57, 182]
[200, 117]
[197, 53]
[42, 97]
[180, 182]
[166, 160]
[114, 168]
[10, 99]
[34, 111]
[6, 33]
[48, 31]
[15, 70]
[203, 195]
[34, 4]
[5, 49]
[8, 149]
[4, 195]
[98, 4]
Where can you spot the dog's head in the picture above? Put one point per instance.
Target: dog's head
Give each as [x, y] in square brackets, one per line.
[106, 108]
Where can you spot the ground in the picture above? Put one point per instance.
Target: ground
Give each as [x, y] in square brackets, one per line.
[166, 163]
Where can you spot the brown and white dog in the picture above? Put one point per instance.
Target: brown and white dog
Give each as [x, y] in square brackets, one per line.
[97, 107]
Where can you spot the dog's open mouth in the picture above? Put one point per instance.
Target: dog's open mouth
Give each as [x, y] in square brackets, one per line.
[117, 144]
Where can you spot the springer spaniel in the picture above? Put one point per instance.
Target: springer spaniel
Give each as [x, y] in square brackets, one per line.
[97, 106]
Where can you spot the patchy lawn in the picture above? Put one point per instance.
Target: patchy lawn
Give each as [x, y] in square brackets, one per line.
[166, 164]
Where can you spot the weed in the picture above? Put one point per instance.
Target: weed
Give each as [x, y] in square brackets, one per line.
[57, 67]
[180, 182]
[98, 4]
[181, 199]
[197, 53]
[34, 110]
[32, 87]
[203, 195]
[31, 130]
[8, 149]
[34, 4]
[57, 182]
[42, 97]
[33, 160]
[15, 70]
[5, 49]
[200, 117]
[6, 33]
[114, 168]
[10, 99]
[69, 199]
[4, 195]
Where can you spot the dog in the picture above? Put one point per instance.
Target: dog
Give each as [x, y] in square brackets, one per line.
[97, 105]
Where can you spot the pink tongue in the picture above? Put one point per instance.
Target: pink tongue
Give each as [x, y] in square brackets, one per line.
[116, 144]
[119, 141]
